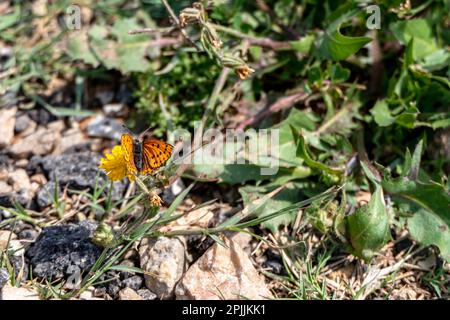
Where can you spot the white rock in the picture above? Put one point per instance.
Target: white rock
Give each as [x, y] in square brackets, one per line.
[222, 273]
[12, 293]
[7, 122]
[164, 260]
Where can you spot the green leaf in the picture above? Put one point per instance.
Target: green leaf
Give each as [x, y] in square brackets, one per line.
[8, 20]
[382, 114]
[428, 229]
[78, 48]
[420, 30]
[429, 202]
[368, 227]
[336, 46]
[283, 199]
[304, 44]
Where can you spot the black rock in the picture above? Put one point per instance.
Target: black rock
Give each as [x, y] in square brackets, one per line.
[274, 266]
[23, 197]
[4, 277]
[134, 282]
[41, 116]
[76, 170]
[59, 248]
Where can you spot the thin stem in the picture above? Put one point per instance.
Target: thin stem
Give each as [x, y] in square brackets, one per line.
[178, 26]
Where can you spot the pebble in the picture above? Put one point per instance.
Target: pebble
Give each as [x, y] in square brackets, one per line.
[164, 260]
[4, 277]
[129, 294]
[23, 122]
[7, 123]
[103, 127]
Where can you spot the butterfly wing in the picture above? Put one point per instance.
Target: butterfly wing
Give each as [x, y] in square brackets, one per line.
[154, 154]
[126, 142]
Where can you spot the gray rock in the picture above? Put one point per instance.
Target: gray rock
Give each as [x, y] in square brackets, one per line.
[134, 282]
[4, 277]
[146, 294]
[103, 127]
[23, 122]
[59, 247]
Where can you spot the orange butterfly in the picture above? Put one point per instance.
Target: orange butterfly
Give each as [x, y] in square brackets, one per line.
[144, 154]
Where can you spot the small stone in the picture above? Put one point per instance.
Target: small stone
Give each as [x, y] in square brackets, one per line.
[114, 110]
[39, 178]
[222, 273]
[175, 189]
[23, 122]
[146, 294]
[61, 246]
[4, 277]
[164, 260]
[12, 293]
[5, 236]
[129, 294]
[103, 127]
[70, 139]
[7, 121]
[19, 180]
[39, 143]
[28, 234]
[134, 282]
[5, 188]
[21, 163]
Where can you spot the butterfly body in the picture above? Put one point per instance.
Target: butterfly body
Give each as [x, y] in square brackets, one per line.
[144, 154]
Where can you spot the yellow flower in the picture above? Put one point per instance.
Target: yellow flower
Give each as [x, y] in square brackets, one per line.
[115, 165]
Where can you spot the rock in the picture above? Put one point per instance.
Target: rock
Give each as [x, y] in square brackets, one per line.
[164, 260]
[115, 110]
[75, 170]
[7, 121]
[4, 277]
[146, 294]
[5, 188]
[133, 282]
[44, 196]
[129, 294]
[41, 142]
[39, 178]
[103, 127]
[24, 122]
[71, 139]
[60, 247]
[18, 179]
[41, 116]
[175, 189]
[12, 293]
[222, 273]
[274, 266]
[24, 197]
[5, 236]
[28, 234]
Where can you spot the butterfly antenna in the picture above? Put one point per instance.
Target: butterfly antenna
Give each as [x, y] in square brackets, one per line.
[127, 130]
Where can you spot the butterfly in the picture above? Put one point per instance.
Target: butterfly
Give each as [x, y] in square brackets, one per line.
[144, 154]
